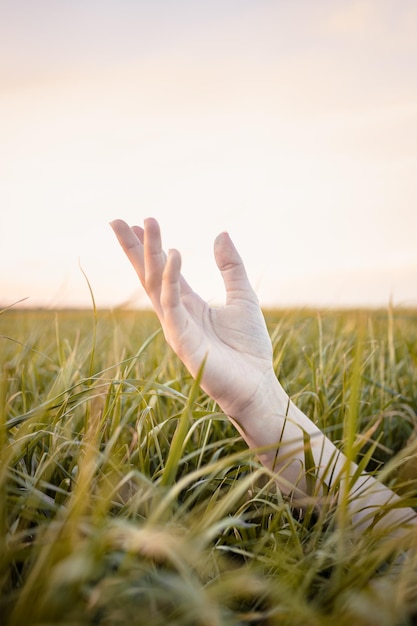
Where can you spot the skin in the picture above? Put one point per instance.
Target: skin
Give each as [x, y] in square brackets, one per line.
[233, 343]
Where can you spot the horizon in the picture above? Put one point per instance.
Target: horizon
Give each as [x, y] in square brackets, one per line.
[291, 126]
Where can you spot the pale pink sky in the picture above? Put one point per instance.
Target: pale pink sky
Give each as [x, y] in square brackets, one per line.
[293, 125]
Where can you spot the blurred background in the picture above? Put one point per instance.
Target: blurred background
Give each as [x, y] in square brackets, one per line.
[293, 125]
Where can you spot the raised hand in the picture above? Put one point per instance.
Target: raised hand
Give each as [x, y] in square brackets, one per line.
[233, 344]
[232, 340]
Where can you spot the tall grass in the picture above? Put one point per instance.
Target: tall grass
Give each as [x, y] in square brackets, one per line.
[128, 498]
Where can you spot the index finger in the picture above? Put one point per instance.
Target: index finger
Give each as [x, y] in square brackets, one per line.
[132, 246]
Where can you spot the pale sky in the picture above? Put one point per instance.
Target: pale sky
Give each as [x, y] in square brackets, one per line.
[293, 125]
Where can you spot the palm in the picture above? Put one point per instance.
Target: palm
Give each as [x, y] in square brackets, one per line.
[231, 341]
[236, 347]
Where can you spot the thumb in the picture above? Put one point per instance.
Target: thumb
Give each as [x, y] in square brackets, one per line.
[233, 270]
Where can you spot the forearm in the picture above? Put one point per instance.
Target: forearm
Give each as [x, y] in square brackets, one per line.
[308, 465]
[238, 375]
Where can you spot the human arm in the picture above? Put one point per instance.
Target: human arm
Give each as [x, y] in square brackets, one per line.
[234, 344]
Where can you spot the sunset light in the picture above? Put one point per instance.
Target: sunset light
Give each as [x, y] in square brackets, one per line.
[291, 125]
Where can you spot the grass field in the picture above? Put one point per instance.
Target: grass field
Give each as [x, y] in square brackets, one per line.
[126, 497]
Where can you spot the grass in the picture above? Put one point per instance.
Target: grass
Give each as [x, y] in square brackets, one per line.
[128, 498]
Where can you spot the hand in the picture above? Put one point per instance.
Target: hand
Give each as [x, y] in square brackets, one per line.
[233, 339]
[233, 343]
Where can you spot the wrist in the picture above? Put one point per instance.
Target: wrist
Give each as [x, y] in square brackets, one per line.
[271, 421]
[269, 401]
[260, 419]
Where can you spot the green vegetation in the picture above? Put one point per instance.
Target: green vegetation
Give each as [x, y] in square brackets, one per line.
[127, 498]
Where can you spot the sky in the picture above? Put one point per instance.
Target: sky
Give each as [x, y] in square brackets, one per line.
[292, 125]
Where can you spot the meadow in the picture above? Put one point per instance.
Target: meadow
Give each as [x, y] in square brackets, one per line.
[127, 497]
